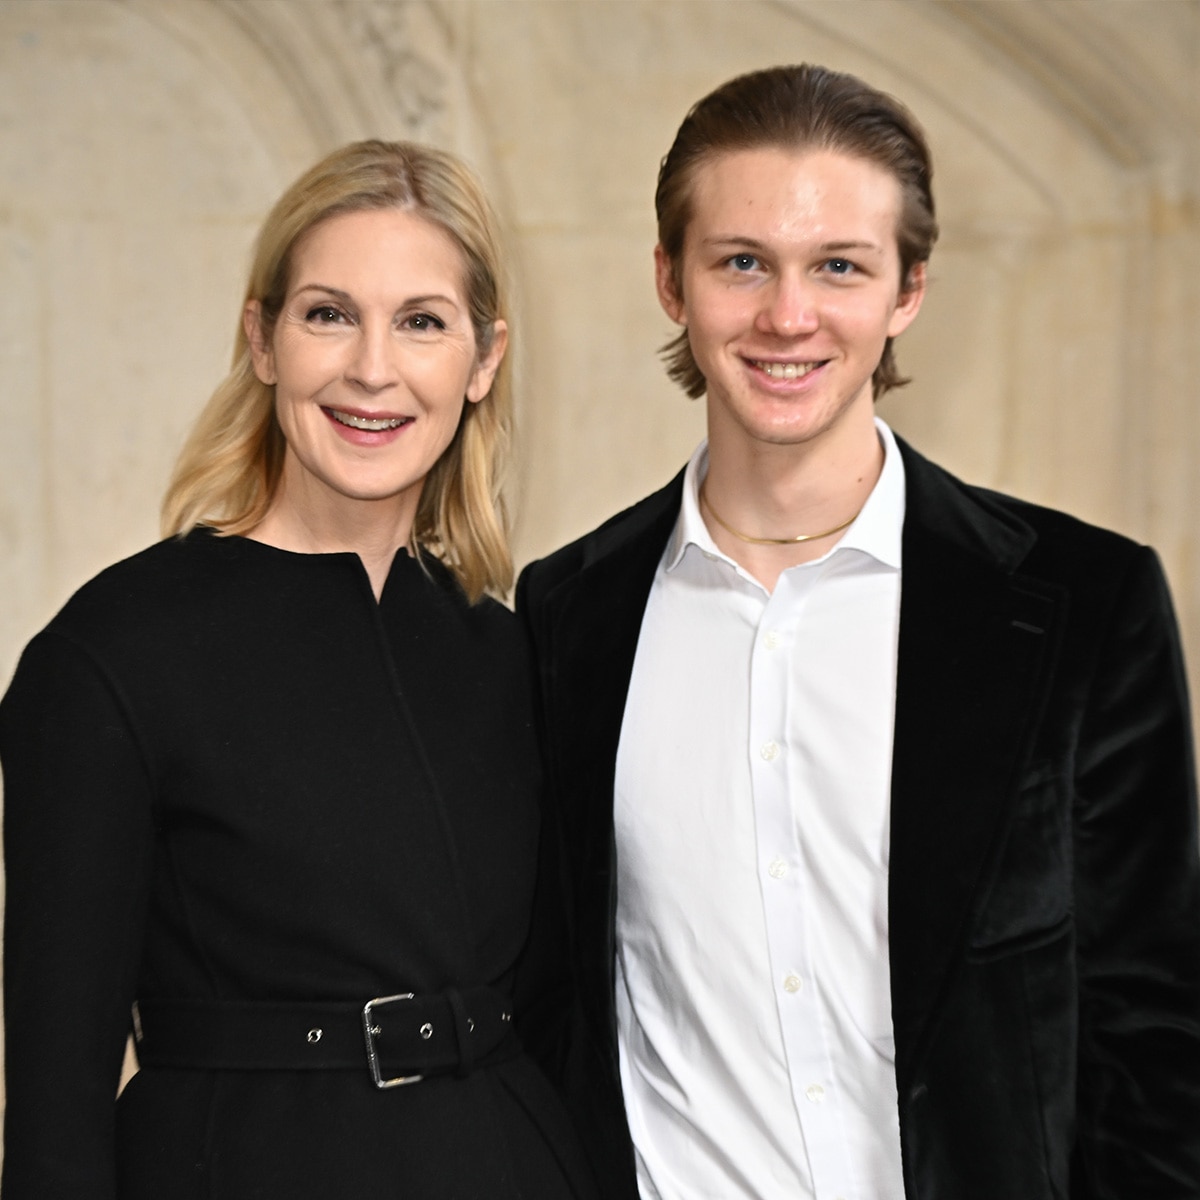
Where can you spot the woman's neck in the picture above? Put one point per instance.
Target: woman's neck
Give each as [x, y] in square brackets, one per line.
[373, 529]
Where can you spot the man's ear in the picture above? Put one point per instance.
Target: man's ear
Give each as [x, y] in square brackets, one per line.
[261, 352]
[668, 292]
[909, 301]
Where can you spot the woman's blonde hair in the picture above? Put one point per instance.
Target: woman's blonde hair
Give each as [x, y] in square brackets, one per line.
[229, 470]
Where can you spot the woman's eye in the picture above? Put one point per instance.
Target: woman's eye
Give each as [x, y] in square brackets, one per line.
[424, 321]
[743, 262]
[323, 314]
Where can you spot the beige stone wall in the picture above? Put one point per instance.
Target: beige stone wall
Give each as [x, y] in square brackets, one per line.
[142, 140]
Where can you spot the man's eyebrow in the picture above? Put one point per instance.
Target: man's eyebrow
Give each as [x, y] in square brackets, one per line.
[734, 240]
[835, 247]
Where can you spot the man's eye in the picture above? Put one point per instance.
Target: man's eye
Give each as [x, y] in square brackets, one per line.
[743, 262]
[839, 266]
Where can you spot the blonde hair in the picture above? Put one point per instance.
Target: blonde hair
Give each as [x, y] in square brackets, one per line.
[229, 470]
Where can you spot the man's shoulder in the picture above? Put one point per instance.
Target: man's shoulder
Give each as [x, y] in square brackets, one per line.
[1047, 536]
[646, 524]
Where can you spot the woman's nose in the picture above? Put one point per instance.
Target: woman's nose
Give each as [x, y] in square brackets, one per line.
[373, 364]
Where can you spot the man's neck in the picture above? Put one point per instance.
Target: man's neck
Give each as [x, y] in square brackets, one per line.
[756, 501]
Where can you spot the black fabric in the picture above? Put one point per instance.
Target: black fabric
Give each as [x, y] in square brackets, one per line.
[231, 775]
[408, 1035]
[1044, 891]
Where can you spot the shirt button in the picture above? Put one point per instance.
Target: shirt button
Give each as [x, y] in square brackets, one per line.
[777, 869]
[792, 983]
[771, 640]
[815, 1092]
[769, 751]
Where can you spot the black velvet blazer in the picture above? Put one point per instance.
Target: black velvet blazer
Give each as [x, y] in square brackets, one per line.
[1044, 888]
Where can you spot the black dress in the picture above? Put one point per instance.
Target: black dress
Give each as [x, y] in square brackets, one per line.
[230, 774]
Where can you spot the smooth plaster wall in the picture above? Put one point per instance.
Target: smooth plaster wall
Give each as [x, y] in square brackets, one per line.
[141, 141]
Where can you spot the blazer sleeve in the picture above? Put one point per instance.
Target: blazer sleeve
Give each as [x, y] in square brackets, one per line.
[1137, 896]
[77, 844]
[543, 986]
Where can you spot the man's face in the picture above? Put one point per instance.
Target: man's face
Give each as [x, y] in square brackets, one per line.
[789, 287]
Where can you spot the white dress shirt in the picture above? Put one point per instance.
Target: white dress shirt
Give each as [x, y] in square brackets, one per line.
[751, 809]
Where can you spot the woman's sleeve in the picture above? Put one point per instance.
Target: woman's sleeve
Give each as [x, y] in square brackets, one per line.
[78, 840]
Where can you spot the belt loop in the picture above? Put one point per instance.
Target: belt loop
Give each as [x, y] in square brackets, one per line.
[462, 1032]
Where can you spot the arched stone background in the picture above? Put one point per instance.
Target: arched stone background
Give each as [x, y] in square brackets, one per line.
[141, 141]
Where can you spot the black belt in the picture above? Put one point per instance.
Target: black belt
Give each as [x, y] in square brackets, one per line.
[400, 1039]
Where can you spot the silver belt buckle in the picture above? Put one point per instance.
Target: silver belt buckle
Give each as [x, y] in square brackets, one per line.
[371, 1031]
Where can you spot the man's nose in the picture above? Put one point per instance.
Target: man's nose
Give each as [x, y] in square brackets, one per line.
[789, 307]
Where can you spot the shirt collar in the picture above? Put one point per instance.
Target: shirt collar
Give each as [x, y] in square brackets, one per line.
[877, 530]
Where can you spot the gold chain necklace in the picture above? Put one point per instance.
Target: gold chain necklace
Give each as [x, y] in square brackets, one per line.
[757, 541]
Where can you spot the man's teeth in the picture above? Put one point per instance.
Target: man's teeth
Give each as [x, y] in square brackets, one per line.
[786, 370]
[371, 424]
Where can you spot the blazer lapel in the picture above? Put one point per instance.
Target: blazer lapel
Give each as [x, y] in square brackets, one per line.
[972, 664]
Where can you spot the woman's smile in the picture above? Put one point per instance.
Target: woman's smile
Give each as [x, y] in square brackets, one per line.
[373, 358]
[371, 424]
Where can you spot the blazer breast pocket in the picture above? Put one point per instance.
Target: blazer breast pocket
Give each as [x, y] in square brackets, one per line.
[1026, 899]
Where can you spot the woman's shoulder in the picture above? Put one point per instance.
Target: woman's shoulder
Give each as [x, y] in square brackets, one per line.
[485, 627]
[126, 619]
[167, 583]
[486, 611]
[155, 573]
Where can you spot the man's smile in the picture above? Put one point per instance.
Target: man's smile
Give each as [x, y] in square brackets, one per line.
[789, 370]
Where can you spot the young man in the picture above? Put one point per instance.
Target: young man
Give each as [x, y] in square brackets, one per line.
[875, 789]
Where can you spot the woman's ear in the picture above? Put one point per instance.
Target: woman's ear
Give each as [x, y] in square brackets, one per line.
[261, 352]
[480, 382]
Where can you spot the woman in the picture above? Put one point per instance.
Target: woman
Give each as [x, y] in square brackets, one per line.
[271, 784]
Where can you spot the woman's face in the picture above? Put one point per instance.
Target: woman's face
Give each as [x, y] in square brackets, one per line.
[373, 358]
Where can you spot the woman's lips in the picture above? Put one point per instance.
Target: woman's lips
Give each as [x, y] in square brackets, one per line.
[368, 424]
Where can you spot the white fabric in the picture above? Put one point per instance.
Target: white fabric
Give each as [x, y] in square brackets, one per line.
[751, 808]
